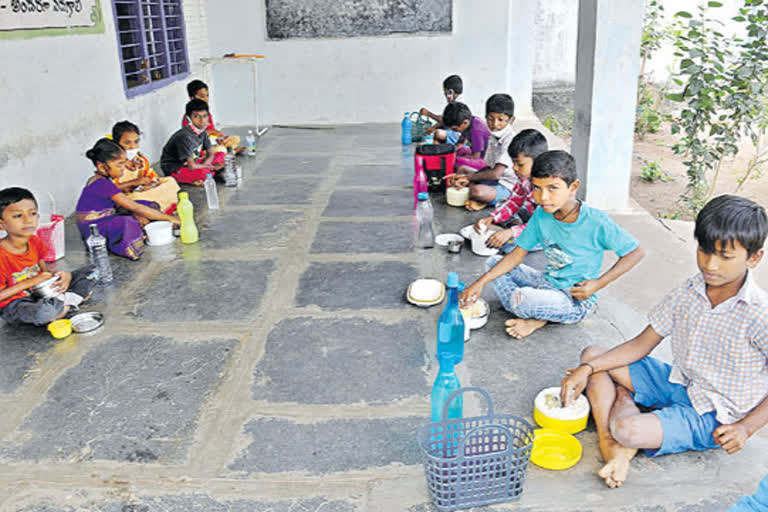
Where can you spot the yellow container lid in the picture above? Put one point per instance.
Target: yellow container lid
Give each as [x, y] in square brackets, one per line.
[553, 449]
[60, 328]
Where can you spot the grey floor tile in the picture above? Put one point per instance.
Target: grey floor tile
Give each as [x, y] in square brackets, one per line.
[204, 290]
[265, 229]
[134, 398]
[361, 237]
[19, 346]
[355, 285]
[294, 164]
[379, 203]
[377, 175]
[320, 361]
[327, 447]
[286, 191]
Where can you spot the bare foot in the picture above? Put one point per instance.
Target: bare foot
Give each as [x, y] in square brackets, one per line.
[617, 459]
[198, 183]
[522, 327]
[63, 313]
[474, 206]
[239, 149]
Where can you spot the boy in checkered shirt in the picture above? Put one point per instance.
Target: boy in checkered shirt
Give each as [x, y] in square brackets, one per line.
[715, 392]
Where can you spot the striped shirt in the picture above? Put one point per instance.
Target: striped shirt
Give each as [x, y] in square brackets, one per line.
[720, 354]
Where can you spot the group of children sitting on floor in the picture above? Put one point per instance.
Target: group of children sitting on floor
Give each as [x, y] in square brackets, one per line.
[715, 392]
[120, 198]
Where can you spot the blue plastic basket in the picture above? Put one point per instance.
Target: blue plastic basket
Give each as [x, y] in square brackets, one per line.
[471, 462]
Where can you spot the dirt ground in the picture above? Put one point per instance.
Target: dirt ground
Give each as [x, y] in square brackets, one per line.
[661, 198]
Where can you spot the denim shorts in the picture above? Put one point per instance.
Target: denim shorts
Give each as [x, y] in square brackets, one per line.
[683, 428]
[452, 137]
[502, 192]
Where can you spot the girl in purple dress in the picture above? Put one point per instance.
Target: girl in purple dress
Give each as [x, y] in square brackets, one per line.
[118, 217]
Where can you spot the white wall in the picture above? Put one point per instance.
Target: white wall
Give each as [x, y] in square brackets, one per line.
[60, 94]
[366, 79]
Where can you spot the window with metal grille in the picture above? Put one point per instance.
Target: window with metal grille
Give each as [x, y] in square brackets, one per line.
[151, 43]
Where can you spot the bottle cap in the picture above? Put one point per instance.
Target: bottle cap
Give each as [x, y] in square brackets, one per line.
[183, 195]
[453, 280]
[422, 196]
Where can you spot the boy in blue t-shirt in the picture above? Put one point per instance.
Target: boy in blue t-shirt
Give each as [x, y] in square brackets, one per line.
[574, 237]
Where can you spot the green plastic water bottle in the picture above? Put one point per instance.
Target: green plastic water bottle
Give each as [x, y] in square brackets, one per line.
[186, 210]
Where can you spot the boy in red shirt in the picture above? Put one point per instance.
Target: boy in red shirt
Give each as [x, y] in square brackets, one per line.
[22, 266]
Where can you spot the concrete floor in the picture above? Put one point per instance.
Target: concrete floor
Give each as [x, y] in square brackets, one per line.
[275, 366]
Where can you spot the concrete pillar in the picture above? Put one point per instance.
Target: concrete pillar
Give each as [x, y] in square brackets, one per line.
[520, 55]
[607, 65]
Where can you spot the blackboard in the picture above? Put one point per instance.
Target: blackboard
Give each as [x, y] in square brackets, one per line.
[349, 18]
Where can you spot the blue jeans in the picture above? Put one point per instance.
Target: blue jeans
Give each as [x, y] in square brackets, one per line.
[526, 293]
[757, 502]
[452, 137]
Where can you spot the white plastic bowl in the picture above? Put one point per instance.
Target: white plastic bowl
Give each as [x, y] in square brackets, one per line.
[159, 232]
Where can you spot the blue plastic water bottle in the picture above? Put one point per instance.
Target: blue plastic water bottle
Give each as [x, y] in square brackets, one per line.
[407, 126]
[445, 384]
[450, 327]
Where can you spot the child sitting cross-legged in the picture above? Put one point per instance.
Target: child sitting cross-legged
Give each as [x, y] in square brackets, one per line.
[519, 206]
[574, 237]
[118, 217]
[139, 181]
[22, 266]
[491, 178]
[715, 392]
[188, 156]
[197, 89]
[472, 129]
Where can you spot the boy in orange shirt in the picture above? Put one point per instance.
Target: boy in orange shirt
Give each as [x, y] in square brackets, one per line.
[22, 266]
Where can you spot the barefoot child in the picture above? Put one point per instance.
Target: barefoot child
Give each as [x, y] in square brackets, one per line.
[492, 177]
[139, 181]
[574, 237]
[715, 392]
[519, 206]
[453, 86]
[197, 89]
[22, 266]
[471, 129]
[188, 156]
[118, 217]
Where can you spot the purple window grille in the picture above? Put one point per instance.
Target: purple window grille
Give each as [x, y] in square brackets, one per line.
[151, 43]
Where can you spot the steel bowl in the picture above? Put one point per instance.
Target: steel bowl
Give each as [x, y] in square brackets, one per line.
[87, 322]
[45, 289]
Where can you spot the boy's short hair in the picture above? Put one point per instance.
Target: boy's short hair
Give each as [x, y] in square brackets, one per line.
[456, 113]
[123, 127]
[454, 83]
[11, 195]
[194, 86]
[196, 105]
[104, 151]
[730, 218]
[555, 164]
[500, 103]
[529, 142]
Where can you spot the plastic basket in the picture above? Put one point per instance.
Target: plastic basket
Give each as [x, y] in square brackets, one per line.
[51, 233]
[419, 126]
[471, 462]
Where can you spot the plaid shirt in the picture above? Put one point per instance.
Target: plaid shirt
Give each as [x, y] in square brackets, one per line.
[720, 354]
[521, 196]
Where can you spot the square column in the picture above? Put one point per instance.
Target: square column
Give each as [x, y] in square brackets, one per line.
[607, 65]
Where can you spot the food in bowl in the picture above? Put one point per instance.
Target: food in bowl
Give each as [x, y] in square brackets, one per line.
[476, 314]
[549, 412]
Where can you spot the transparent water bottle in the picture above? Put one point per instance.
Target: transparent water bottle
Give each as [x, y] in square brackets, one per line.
[97, 250]
[445, 384]
[211, 194]
[450, 326]
[250, 143]
[424, 215]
